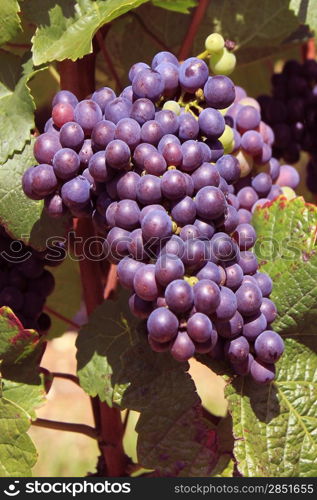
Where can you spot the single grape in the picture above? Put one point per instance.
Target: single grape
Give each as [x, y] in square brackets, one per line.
[164, 57]
[149, 84]
[219, 92]
[155, 164]
[248, 262]
[214, 43]
[195, 254]
[144, 282]
[228, 167]
[169, 73]
[172, 106]
[192, 156]
[168, 268]
[127, 185]
[269, 346]
[168, 120]
[102, 133]
[66, 164]
[149, 190]
[43, 180]
[193, 73]
[141, 152]
[262, 373]
[230, 328]
[172, 153]
[223, 248]
[174, 245]
[139, 307]
[128, 131]
[264, 283]
[76, 192]
[162, 325]
[189, 232]
[222, 62]
[54, 206]
[249, 299]
[136, 68]
[206, 296]
[183, 347]
[228, 304]
[269, 310]
[252, 142]
[64, 96]
[151, 132]
[149, 208]
[127, 214]
[179, 296]
[247, 196]
[210, 272]
[188, 127]
[234, 276]
[102, 96]
[87, 113]
[253, 326]
[142, 110]
[229, 221]
[167, 139]
[184, 211]
[117, 154]
[156, 225]
[117, 109]
[126, 270]
[173, 185]
[210, 202]
[205, 175]
[244, 215]
[62, 113]
[288, 176]
[245, 236]
[211, 123]
[199, 328]
[237, 349]
[45, 147]
[27, 185]
[248, 118]
[72, 136]
[205, 230]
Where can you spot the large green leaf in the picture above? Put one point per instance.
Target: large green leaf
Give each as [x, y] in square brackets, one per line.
[17, 452]
[306, 12]
[65, 29]
[28, 396]
[182, 6]
[16, 103]
[275, 426]
[286, 251]
[66, 298]
[24, 219]
[116, 363]
[9, 20]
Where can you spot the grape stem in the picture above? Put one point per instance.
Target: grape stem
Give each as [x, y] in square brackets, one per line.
[203, 55]
[61, 317]
[198, 16]
[87, 430]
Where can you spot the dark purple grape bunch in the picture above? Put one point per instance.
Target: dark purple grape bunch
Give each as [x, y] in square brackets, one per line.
[263, 178]
[291, 111]
[25, 283]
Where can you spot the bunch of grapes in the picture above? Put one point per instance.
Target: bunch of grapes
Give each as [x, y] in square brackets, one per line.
[292, 113]
[153, 169]
[25, 284]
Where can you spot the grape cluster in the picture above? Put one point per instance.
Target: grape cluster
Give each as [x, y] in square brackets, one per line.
[25, 284]
[153, 169]
[292, 113]
[263, 178]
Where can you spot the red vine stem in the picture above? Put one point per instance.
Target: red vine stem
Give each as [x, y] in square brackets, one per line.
[112, 281]
[108, 60]
[61, 317]
[193, 28]
[309, 49]
[66, 426]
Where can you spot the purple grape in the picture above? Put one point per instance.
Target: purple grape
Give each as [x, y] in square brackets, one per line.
[27, 185]
[231, 328]
[172, 153]
[139, 307]
[142, 110]
[54, 206]
[216, 149]
[199, 328]
[210, 202]
[223, 248]
[117, 154]
[127, 214]
[248, 262]
[244, 215]
[269, 310]
[168, 268]
[211, 123]
[228, 167]
[184, 211]
[45, 147]
[65, 96]
[164, 57]
[195, 254]
[174, 245]
[206, 296]
[102, 133]
[249, 299]
[252, 142]
[128, 131]
[141, 152]
[85, 153]
[162, 325]
[136, 68]
[183, 347]
[151, 132]
[219, 92]
[43, 180]
[288, 177]
[189, 232]
[262, 183]
[156, 224]
[227, 306]
[149, 84]
[155, 164]
[168, 121]
[117, 109]
[66, 163]
[126, 270]
[248, 118]
[193, 74]
[149, 190]
[51, 127]
[87, 114]
[275, 192]
[205, 230]
[167, 139]
[265, 155]
[188, 127]
[253, 326]
[245, 236]
[169, 73]
[247, 196]
[210, 272]
[127, 185]
[229, 221]
[136, 245]
[144, 282]
[179, 296]
[274, 168]
[262, 373]
[269, 347]
[237, 349]
[149, 208]
[234, 276]
[72, 136]
[264, 282]
[102, 96]
[205, 175]
[192, 155]
[76, 192]
[173, 185]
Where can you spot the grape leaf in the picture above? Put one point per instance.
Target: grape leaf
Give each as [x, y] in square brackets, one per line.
[182, 6]
[66, 298]
[306, 12]
[9, 20]
[27, 396]
[286, 251]
[17, 451]
[65, 30]
[116, 363]
[24, 219]
[274, 426]
[16, 103]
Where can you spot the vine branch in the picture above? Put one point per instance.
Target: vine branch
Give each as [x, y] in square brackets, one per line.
[66, 426]
[61, 317]
[193, 28]
[66, 376]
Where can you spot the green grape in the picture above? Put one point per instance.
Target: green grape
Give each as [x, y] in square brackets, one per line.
[214, 43]
[223, 111]
[222, 63]
[288, 192]
[229, 148]
[245, 162]
[172, 106]
[227, 137]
